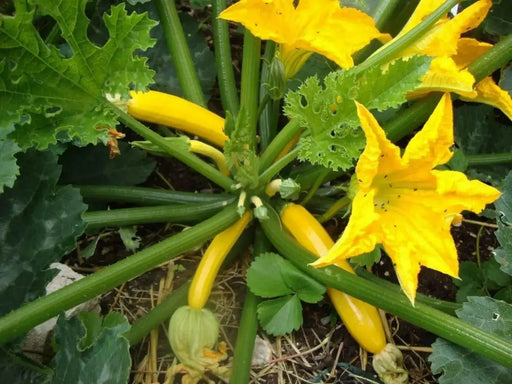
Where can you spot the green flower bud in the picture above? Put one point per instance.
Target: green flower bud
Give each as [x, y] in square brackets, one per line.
[289, 189]
[277, 79]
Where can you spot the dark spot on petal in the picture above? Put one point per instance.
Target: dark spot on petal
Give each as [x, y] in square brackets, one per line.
[415, 189]
[385, 176]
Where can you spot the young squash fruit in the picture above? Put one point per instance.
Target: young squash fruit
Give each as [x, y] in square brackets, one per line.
[361, 319]
[173, 111]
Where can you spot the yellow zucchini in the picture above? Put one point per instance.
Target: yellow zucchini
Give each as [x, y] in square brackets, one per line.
[173, 111]
[361, 319]
[211, 261]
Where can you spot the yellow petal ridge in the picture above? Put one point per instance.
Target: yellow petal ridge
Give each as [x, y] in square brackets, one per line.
[488, 92]
[468, 50]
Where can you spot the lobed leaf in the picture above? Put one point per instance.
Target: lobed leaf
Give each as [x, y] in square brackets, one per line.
[460, 365]
[280, 316]
[9, 169]
[39, 223]
[92, 350]
[329, 113]
[48, 95]
[503, 255]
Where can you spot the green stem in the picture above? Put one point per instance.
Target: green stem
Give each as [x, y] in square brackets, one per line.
[489, 159]
[318, 182]
[225, 74]
[180, 53]
[28, 316]
[334, 209]
[437, 322]
[250, 82]
[411, 118]
[160, 313]
[274, 169]
[269, 115]
[445, 306]
[184, 156]
[498, 56]
[392, 49]
[189, 213]
[146, 196]
[278, 143]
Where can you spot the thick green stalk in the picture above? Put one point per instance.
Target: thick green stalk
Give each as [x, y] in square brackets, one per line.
[497, 57]
[180, 54]
[183, 213]
[28, 316]
[184, 156]
[270, 114]
[489, 159]
[276, 167]
[225, 74]
[278, 143]
[146, 196]
[248, 326]
[437, 322]
[160, 313]
[250, 82]
[393, 48]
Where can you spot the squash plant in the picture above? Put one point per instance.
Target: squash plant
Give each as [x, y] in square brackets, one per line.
[350, 85]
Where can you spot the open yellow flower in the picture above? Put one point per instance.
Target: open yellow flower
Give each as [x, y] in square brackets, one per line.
[313, 26]
[452, 55]
[405, 204]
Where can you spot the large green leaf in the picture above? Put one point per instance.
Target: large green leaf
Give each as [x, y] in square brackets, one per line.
[329, 113]
[499, 20]
[47, 94]
[280, 316]
[38, 225]
[460, 365]
[503, 255]
[91, 350]
[16, 369]
[92, 165]
[9, 170]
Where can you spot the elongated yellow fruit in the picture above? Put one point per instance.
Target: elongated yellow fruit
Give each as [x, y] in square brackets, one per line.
[197, 146]
[209, 266]
[173, 111]
[361, 319]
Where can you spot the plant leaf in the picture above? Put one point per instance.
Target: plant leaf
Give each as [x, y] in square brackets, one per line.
[92, 165]
[264, 278]
[499, 20]
[129, 238]
[38, 225]
[329, 113]
[48, 95]
[9, 170]
[86, 347]
[306, 288]
[503, 255]
[280, 316]
[460, 365]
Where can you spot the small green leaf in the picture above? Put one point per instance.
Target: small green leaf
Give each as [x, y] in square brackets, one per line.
[9, 170]
[86, 347]
[92, 165]
[264, 278]
[51, 95]
[280, 316]
[39, 223]
[367, 259]
[503, 255]
[306, 288]
[506, 79]
[129, 237]
[329, 113]
[460, 365]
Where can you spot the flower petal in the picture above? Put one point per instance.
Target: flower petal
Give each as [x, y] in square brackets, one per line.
[444, 76]
[360, 236]
[380, 155]
[415, 236]
[423, 9]
[488, 92]
[318, 26]
[430, 147]
[468, 50]
[442, 39]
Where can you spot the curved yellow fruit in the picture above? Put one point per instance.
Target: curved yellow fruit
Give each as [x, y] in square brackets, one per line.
[211, 261]
[361, 319]
[173, 111]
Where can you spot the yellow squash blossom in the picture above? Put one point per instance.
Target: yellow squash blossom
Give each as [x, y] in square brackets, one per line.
[313, 26]
[452, 55]
[405, 204]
